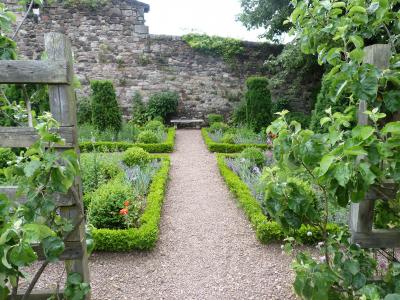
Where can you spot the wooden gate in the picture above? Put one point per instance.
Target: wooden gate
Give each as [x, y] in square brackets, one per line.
[57, 72]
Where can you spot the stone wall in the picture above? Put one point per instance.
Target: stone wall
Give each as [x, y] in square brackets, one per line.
[113, 43]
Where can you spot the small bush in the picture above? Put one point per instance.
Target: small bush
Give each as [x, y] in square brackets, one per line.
[106, 112]
[239, 115]
[162, 105]
[279, 105]
[300, 117]
[139, 116]
[84, 111]
[154, 125]
[254, 155]
[106, 203]
[258, 101]
[6, 155]
[148, 137]
[228, 138]
[219, 126]
[135, 156]
[213, 118]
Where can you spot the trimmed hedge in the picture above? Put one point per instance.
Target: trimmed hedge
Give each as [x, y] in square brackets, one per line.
[267, 231]
[145, 237]
[227, 148]
[166, 147]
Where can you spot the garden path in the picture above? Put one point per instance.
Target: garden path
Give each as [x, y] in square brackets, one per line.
[207, 249]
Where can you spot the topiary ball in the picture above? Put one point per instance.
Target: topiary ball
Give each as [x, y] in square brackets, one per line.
[148, 137]
[214, 118]
[154, 125]
[254, 155]
[6, 155]
[136, 156]
[218, 126]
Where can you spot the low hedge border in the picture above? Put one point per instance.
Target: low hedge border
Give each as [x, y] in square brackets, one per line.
[227, 148]
[145, 237]
[165, 147]
[267, 231]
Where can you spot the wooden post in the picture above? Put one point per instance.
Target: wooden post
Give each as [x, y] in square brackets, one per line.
[63, 109]
[362, 214]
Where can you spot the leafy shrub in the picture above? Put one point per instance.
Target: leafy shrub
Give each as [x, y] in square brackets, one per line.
[258, 102]
[213, 118]
[300, 117]
[279, 105]
[106, 112]
[148, 137]
[139, 115]
[162, 105]
[154, 125]
[218, 126]
[245, 135]
[254, 155]
[135, 156]
[6, 155]
[84, 111]
[228, 138]
[106, 203]
[239, 115]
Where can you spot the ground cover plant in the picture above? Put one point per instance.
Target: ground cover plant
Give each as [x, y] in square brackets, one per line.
[123, 194]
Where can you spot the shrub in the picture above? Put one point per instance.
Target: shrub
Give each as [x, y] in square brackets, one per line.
[239, 115]
[300, 117]
[106, 112]
[84, 111]
[254, 155]
[148, 137]
[6, 155]
[106, 203]
[258, 102]
[219, 126]
[162, 105]
[139, 115]
[279, 105]
[136, 156]
[213, 118]
[228, 138]
[154, 125]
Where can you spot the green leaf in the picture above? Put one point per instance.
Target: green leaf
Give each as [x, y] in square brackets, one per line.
[342, 173]
[35, 233]
[53, 247]
[357, 55]
[22, 255]
[392, 127]
[392, 297]
[325, 164]
[366, 173]
[32, 167]
[362, 132]
[359, 281]
[392, 100]
[355, 150]
[352, 266]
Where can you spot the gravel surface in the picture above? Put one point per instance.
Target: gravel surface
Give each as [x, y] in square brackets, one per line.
[207, 249]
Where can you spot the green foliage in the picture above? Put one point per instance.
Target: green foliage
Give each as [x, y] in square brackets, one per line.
[239, 115]
[254, 155]
[106, 112]
[106, 202]
[136, 156]
[139, 116]
[214, 118]
[218, 126]
[93, 4]
[300, 117]
[6, 155]
[88, 132]
[163, 104]
[166, 147]
[144, 237]
[258, 103]
[148, 137]
[84, 111]
[75, 288]
[387, 214]
[228, 48]
[228, 138]
[154, 125]
[227, 148]
[7, 46]
[267, 14]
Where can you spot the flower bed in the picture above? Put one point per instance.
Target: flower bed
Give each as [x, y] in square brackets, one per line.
[227, 147]
[267, 231]
[165, 147]
[125, 232]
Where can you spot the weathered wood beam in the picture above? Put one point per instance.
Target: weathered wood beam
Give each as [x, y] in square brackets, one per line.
[25, 136]
[39, 295]
[34, 71]
[377, 239]
[61, 200]
[73, 250]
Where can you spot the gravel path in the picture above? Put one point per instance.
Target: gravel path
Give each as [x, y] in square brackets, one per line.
[207, 249]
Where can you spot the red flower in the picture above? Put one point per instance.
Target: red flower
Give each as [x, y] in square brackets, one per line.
[123, 212]
[126, 203]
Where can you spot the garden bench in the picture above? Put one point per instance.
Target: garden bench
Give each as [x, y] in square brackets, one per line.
[197, 122]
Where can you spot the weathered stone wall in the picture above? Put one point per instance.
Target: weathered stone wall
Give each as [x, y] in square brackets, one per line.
[113, 43]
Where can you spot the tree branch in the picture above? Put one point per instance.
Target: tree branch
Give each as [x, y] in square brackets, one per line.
[23, 20]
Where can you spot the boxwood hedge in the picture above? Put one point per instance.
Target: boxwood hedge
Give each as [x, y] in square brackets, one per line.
[165, 147]
[146, 236]
[267, 231]
[225, 147]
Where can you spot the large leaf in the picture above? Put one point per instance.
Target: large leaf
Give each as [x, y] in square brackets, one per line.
[53, 247]
[22, 255]
[35, 233]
